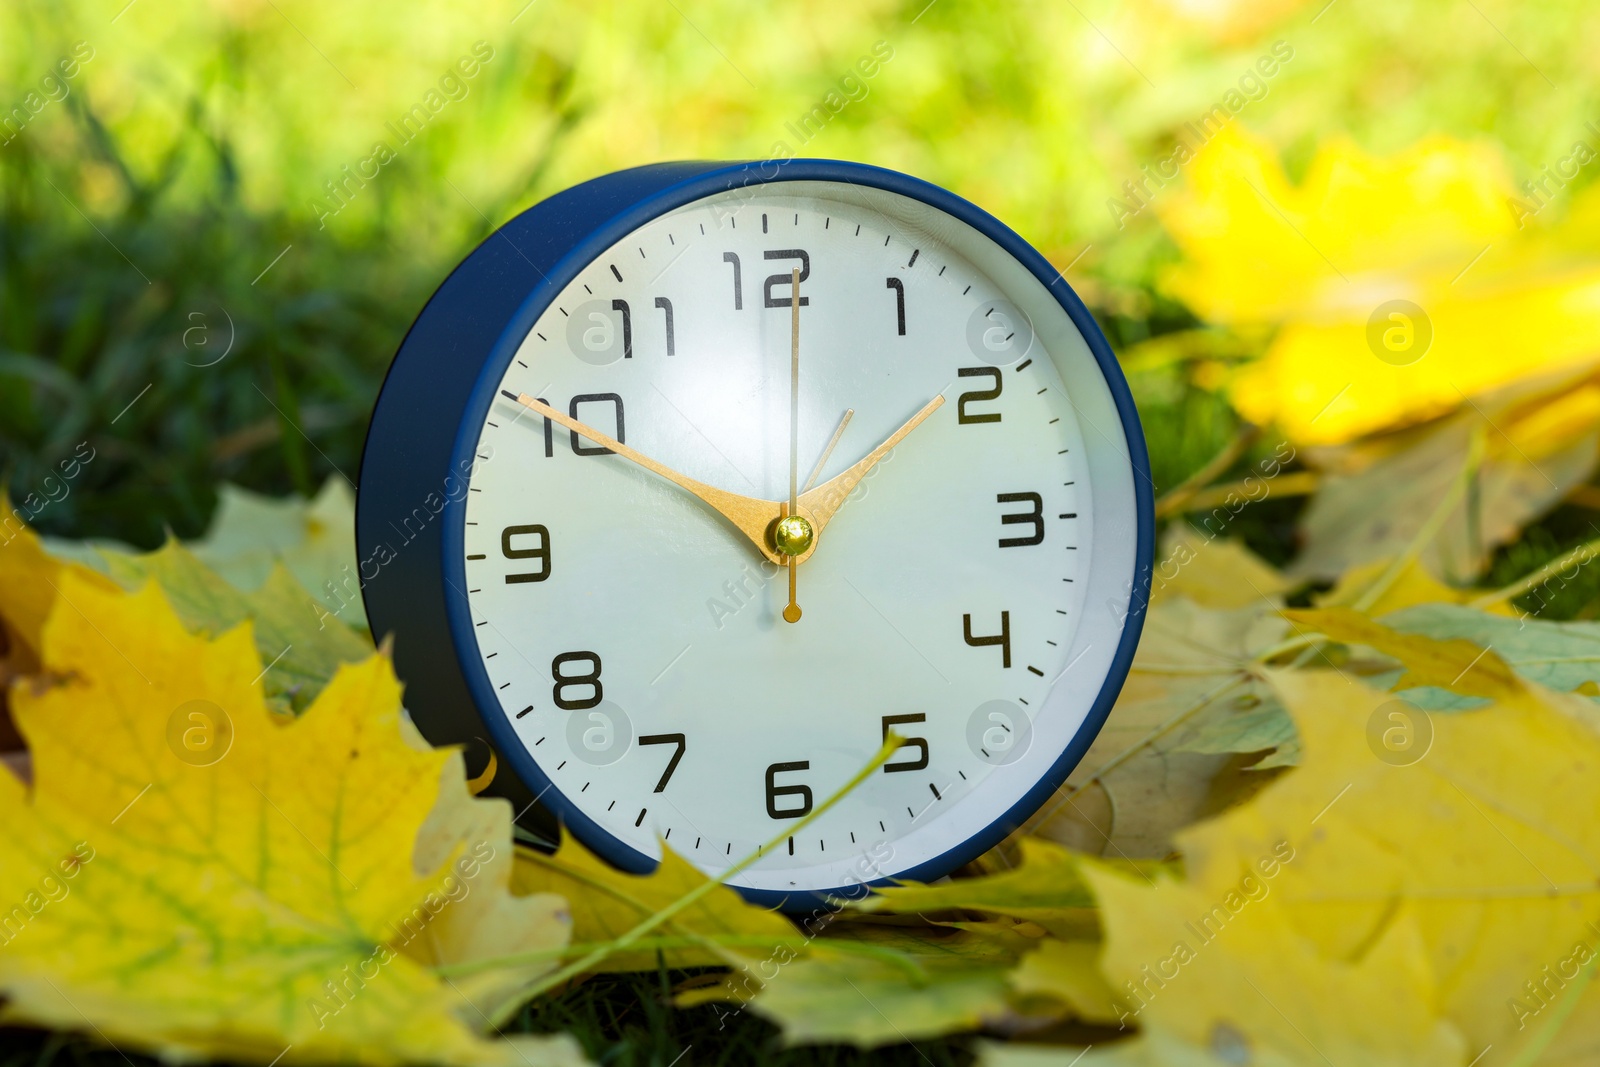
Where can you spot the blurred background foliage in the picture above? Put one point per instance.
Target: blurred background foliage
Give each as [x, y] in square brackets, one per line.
[166, 210]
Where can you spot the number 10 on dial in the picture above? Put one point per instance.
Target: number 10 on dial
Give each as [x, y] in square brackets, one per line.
[753, 466]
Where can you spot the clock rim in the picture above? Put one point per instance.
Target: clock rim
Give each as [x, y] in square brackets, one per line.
[604, 214]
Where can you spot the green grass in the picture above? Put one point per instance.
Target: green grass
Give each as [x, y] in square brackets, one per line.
[1568, 595]
[83, 335]
[158, 334]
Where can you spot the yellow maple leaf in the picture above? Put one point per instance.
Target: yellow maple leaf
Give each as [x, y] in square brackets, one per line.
[1143, 778]
[1370, 909]
[1214, 572]
[1433, 225]
[252, 534]
[832, 999]
[1539, 439]
[30, 580]
[1411, 585]
[1044, 889]
[488, 921]
[1069, 972]
[196, 876]
[1455, 664]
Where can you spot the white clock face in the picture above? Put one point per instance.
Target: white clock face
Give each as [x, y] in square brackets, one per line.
[969, 593]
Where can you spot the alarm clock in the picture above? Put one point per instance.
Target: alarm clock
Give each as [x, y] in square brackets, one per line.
[696, 481]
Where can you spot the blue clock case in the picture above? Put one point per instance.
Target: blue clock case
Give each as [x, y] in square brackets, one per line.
[410, 508]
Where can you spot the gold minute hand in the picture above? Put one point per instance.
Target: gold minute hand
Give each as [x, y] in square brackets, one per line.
[826, 499]
[750, 515]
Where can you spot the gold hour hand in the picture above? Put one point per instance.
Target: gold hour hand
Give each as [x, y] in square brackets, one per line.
[750, 515]
[826, 499]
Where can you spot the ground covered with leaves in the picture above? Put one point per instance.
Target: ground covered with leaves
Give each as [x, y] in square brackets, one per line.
[1358, 829]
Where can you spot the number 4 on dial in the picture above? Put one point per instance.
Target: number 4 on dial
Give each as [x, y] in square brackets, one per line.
[1003, 638]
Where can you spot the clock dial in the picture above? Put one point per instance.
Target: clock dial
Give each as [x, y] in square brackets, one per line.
[961, 594]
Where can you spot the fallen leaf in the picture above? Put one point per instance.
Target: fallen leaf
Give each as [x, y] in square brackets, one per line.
[1541, 438]
[1069, 972]
[1564, 656]
[869, 976]
[1453, 664]
[1193, 683]
[315, 539]
[1248, 727]
[1044, 888]
[1362, 911]
[301, 641]
[990, 943]
[193, 875]
[606, 903]
[30, 582]
[1358, 232]
[1264, 995]
[1412, 585]
[1214, 572]
[1152, 1050]
[487, 921]
[863, 1002]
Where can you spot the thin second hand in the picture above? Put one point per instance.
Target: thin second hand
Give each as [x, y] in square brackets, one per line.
[826, 452]
[792, 612]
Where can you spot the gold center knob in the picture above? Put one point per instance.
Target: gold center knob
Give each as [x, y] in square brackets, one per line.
[792, 535]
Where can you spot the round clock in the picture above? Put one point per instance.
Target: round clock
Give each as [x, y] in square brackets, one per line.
[695, 481]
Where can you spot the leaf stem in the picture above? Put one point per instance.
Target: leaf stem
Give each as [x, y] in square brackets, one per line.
[1577, 557]
[628, 939]
[1295, 483]
[1180, 494]
[900, 960]
[1431, 526]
